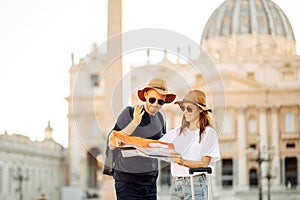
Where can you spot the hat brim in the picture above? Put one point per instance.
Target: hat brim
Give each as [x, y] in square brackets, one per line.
[196, 103]
[169, 96]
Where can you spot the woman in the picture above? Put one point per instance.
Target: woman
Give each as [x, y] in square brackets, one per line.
[196, 145]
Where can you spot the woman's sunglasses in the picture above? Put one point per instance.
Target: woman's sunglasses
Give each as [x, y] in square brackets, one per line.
[152, 100]
[188, 109]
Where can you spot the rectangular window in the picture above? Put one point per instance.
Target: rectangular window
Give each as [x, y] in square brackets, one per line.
[228, 125]
[290, 145]
[252, 126]
[94, 80]
[290, 122]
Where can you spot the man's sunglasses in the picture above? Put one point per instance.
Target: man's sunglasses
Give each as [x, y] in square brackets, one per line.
[188, 109]
[152, 100]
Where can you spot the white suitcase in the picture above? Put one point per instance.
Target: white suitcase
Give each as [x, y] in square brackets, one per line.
[208, 171]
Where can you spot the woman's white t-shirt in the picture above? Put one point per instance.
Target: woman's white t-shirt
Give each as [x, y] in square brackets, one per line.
[187, 144]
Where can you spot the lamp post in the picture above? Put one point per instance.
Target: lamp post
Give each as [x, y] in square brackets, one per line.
[260, 160]
[269, 177]
[20, 178]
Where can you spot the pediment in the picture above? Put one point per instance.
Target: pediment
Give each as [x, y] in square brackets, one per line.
[230, 81]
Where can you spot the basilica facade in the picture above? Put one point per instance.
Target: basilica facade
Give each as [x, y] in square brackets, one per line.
[251, 46]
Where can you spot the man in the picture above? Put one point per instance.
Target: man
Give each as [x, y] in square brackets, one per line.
[135, 177]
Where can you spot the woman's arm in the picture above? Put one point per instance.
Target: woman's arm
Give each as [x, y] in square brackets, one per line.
[191, 163]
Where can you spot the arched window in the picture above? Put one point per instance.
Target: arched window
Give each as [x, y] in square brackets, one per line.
[289, 122]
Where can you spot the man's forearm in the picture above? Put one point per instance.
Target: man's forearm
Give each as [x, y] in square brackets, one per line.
[128, 130]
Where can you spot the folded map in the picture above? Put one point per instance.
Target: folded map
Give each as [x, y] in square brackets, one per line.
[137, 146]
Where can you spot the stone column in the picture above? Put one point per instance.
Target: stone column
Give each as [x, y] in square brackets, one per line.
[241, 150]
[235, 175]
[275, 144]
[74, 143]
[282, 163]
[217, 178]
[5, 179]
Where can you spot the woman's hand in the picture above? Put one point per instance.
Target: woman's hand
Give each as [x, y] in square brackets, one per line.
[138, 114]
[177, 158]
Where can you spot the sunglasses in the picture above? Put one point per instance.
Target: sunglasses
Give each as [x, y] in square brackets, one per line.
[160, 102]
[188, 109]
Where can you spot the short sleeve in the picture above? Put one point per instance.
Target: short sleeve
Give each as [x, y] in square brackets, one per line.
[169, 136]
[211, 145]
[124, 119]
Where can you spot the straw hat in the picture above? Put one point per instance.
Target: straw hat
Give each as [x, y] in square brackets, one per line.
[160, 86]
[196, 97]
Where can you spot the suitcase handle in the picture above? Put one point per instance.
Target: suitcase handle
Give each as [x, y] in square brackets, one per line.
[200, 169]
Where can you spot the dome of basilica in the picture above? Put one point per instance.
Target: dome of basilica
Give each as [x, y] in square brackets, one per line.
[248, 17]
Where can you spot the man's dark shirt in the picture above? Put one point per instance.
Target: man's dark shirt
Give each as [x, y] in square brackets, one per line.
[138, 169]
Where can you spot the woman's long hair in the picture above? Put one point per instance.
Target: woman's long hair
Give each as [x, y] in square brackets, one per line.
[204, 120]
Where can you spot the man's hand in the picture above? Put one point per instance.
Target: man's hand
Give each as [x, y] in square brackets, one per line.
[114, 142]
[138, 114]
